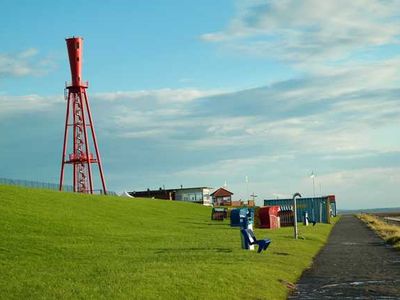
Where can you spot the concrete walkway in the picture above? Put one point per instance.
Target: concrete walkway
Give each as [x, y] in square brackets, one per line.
[355, 264]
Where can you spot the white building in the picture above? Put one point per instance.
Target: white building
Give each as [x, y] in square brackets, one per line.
[195, 194]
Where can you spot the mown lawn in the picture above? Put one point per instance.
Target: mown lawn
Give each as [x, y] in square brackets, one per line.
[64, 245]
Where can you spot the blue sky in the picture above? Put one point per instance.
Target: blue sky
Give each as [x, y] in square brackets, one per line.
[199, 93]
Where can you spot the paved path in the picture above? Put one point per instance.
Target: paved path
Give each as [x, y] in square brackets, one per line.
[355, 264]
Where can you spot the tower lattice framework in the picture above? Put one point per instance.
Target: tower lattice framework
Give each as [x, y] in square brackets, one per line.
[78, 120]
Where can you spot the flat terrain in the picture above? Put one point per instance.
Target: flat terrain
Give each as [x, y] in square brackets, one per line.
[355, 264]
[68, 246]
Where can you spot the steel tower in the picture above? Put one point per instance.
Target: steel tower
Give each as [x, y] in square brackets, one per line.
[79, 119]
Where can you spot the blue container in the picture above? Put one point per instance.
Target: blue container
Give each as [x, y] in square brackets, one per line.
[241, 215]
[318, 208]
[235, 217]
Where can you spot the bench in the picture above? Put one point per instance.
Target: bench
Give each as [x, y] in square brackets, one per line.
[250, 238]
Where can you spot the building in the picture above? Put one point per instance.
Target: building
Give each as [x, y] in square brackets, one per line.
[222, 197]
[154, 194]
[195, 194]
[318, 209]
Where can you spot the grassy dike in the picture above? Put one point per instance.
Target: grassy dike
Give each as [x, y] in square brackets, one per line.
[64, 245]
[390, 233]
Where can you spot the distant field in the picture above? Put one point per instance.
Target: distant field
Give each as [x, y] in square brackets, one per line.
[64, 245]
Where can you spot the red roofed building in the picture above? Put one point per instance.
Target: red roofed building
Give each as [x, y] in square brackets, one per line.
[222, 197]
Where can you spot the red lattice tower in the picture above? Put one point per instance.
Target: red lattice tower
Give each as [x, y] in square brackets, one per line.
[78, 110]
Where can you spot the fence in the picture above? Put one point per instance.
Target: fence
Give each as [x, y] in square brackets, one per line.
[45, 185]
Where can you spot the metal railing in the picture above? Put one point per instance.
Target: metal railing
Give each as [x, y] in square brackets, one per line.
[44, 185]
[34, 184]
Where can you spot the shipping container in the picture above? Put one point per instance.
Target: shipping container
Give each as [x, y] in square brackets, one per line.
[319, 209]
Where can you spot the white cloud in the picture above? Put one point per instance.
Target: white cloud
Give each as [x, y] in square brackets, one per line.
[362, 187]
[25, 63]
[144, 133]
[13, 105]
[348, 178]
[160, 95]
[310, 30]
[226, 167]
[328, 115]
[149, 113]
[273, 134]
[28, 53]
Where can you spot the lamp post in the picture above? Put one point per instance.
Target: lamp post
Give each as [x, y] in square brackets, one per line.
[254, 196]
[313, 182]
[247, 188]
[313, 199]
[296, 233]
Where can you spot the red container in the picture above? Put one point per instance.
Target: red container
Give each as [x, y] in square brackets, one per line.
[269, 216]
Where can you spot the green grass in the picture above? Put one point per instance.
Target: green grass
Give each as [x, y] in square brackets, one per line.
[64, 245]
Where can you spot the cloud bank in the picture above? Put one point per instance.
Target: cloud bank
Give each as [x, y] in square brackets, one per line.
[275, 134]
[310, 31]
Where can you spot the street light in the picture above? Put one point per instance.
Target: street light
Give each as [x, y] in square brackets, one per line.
[254, 196]
[247, 188]
[295, 214]
[313, 182]
[313, 199]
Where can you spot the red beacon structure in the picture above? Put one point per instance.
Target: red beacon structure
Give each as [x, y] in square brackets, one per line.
[79, 119]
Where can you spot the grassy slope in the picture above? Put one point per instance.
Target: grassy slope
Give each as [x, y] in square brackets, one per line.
[64, 245]
[390, 233]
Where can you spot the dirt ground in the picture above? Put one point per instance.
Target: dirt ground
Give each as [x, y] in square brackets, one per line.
[355, 264]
